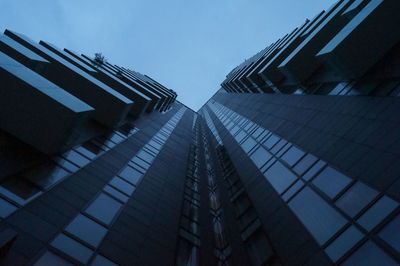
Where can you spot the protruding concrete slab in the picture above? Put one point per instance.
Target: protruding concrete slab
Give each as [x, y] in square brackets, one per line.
[36, 111]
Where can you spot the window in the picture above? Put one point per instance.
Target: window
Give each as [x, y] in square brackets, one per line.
[280, 177]
[66, 164]
[122, 185]
[375, 214]
[76, 158]
[239, 137]
[141, 163]
[87, 230]
[271, 141]
[369, 254]
[6, 208]
[305, 163]
[343, 243]
[91, 154]
[318, 216]
[296, 187]
[293, 155]
[117, 194]
[356, 198]
[104, 208]
[72, 248]
[331, 182]
[260, 156]
[49, 258]
[248, 144]
[391, 233]
[131, 175]
[310, 173]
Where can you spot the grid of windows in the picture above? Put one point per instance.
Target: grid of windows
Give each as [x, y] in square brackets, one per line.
[19, 189]
[333, 207]
[81, 237]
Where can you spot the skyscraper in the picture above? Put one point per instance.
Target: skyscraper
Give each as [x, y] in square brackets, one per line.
[294, 161]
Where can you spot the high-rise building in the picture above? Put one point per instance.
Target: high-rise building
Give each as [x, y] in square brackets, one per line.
[294, 161]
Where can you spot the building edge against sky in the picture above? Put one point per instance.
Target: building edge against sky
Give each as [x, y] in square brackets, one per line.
[294, 161]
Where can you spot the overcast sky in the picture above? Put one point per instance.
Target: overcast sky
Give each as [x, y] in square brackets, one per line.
[187, 45]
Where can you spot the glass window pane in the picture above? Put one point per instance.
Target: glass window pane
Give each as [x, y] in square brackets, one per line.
[141, 163]
[49, 258]
[131, 175]
[271, 141]
[377, 212]
[122, 185]
[145, 156]
[87, 230]
[66, 164]
[239, 137]
[85, 152]
[331, 182]
[260, 156]
[293, 190]
[102, 261]
[316, 167]
[6, 208]
[343, 243]
[293, 155]
[391, 233]
[317, 215]
[248, 144]
[356, 198]
[280, 177]
[104, 208]
[305, 163]
[369, 254]
[72, 248]
[116, 193]
[76, 158]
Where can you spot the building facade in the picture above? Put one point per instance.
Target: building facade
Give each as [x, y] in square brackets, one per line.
[294, 161]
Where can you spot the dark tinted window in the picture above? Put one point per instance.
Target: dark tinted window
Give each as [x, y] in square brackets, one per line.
[305, 163]
[331, 182]
[104, 208]
[6, 208]
[356, 198]
[292, 156]
[72, 248]
[87, 230]
[317, 215]
[343, 243]
[280, 177]
[391, 233]
[377, 212]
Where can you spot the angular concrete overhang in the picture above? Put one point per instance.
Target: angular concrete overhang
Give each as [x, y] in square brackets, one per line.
[302, 62]
[111, 107]
[36, 111]
[141, 101]
[358, 46]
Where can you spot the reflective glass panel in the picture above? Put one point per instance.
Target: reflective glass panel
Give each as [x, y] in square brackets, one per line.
[122, 185]
[116, 193]
[391, 233]
[72, 248]
[331, 182]
[317, 215]
[280, 177]
[343, 243]
[131, 175]
[76, 158]
[104, 208]
[356, 198]
[260, 156]
[316, 167]
[377, 212]
[248, 144]
[305, 163]
[87, 230]
[293, 155]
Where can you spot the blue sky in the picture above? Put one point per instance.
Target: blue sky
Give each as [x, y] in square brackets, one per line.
[187, 45]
